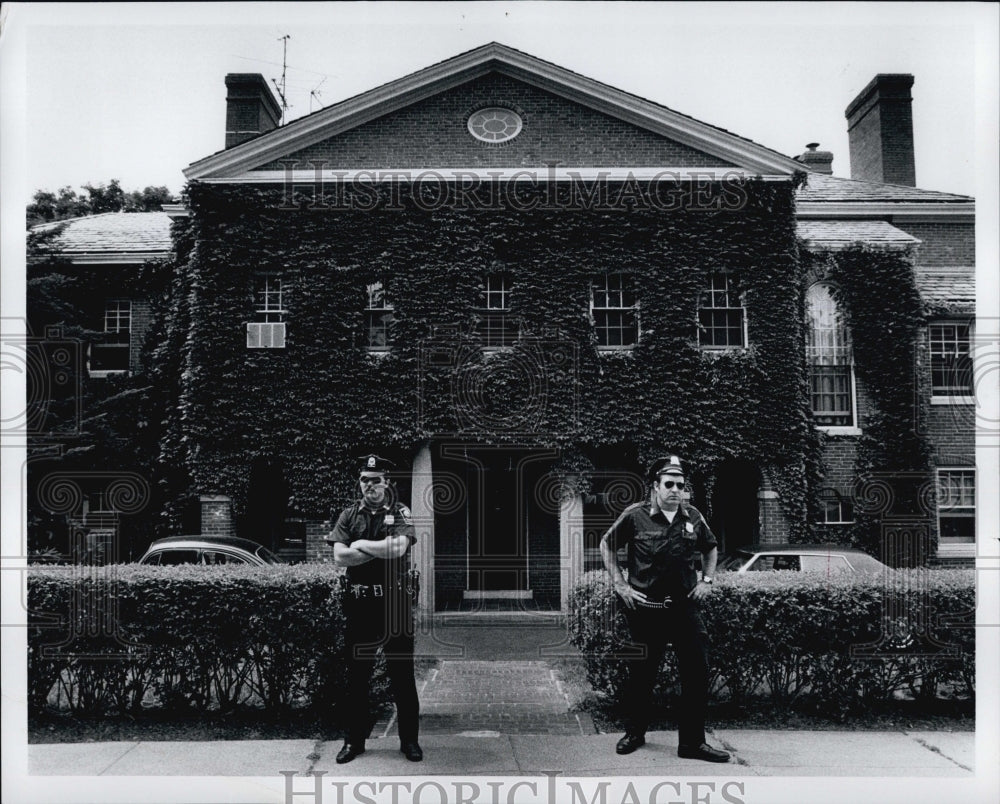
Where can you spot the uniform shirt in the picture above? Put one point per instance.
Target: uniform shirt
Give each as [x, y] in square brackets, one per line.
[660, 554]
[360, 522]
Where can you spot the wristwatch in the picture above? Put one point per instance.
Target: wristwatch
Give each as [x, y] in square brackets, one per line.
[706, 579]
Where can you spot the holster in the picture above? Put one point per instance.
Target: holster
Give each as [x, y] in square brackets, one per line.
[412, 584]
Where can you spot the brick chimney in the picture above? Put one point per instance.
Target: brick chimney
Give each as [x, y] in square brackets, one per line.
[880, 131]
[250, 107]
[818, 161]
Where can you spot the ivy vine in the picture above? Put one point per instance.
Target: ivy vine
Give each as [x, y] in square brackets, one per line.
[323, 399]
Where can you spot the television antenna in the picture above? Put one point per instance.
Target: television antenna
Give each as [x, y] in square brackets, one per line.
[315, 93]
[280, 87]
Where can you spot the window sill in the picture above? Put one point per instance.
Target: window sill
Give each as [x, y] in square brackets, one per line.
[715, 351]
[98, 374]
[953, 400]
[378, 352]
[615, 349]
[831, 430]
[963, 550]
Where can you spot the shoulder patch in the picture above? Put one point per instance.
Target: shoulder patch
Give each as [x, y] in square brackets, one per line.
[405, 513]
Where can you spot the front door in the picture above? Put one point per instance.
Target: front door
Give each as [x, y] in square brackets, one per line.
[497, 536]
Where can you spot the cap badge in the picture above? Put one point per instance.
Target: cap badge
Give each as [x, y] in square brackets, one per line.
[371, 461]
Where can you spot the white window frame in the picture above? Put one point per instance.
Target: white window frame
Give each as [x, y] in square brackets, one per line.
[267, 329]
[950, 399]
[112, 323]
[956, 548]
[710, 294]
[830, 497]
[621, 290]
[496, 302]
[834, 429]
[376, 292]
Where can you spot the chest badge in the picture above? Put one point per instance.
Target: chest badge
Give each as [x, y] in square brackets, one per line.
[689, 527]
[390, 519]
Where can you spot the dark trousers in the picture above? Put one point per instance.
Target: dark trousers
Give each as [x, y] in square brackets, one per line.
[386, 623]
[651, 630]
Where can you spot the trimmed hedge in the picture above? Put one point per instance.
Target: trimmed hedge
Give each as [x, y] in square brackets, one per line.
[125, 637]
[813, 641]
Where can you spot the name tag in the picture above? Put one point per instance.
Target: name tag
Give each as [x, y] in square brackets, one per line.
[390, 519]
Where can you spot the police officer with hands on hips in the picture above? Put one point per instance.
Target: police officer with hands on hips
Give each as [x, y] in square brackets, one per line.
[661, 604]
[372, 539]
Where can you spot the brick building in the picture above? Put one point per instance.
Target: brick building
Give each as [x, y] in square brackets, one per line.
[479, 268]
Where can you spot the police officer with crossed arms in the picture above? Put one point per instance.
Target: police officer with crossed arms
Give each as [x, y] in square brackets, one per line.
[372, 539]
[661, 603]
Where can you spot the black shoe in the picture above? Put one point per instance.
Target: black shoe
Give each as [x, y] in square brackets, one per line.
[349, 752]
[703, 751]
[630, 742]
[412, 751]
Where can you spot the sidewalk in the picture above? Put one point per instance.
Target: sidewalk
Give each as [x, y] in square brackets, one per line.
[755, 753]
[492, 706]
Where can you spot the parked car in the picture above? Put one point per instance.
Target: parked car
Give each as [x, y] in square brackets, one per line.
[208, 550]
[825, 558]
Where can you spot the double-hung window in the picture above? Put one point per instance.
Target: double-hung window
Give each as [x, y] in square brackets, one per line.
[829, 360]
[615, 311]
[497, 327]
[956, 499]
[835, 509]
[378, 318]
[110, 353]
[951, 361]
[721, 315]
[267, 330]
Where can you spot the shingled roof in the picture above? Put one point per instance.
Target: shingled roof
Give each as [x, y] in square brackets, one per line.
[821, 188]
[143, 234]
[947, 290]
[840, 234]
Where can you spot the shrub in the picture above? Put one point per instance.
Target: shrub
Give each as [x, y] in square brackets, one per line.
[121, 637]
[832, 644]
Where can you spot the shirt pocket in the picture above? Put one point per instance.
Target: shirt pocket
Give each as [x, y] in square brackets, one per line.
[649, 542]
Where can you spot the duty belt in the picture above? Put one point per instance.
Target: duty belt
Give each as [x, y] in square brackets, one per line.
[360, 590]
[650, 604]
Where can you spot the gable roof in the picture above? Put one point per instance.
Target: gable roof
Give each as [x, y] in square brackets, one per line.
[457, 70]
[111, 236]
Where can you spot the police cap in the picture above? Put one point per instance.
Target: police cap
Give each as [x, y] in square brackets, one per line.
[374, 463]
[670, 465]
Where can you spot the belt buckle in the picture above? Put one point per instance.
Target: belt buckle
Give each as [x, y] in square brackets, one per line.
[378, 590]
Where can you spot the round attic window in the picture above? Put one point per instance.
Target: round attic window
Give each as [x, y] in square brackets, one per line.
[495, 124]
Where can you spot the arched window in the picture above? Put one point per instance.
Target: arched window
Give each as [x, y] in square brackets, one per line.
[828, 358]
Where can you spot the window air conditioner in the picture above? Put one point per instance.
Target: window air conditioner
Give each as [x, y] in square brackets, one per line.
[265, 335]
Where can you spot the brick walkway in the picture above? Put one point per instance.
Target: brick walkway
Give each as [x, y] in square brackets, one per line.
[483, 698]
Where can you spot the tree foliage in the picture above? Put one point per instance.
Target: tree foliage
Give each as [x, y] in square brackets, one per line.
[47, 206]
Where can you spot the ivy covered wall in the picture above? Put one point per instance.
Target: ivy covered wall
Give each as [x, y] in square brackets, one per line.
[877, 295]
[322, 400]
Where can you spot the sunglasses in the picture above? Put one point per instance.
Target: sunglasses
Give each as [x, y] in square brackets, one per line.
[375, 480]
[669, 484]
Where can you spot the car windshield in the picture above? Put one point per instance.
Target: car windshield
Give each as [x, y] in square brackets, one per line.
[733, 561]
[268, 556]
